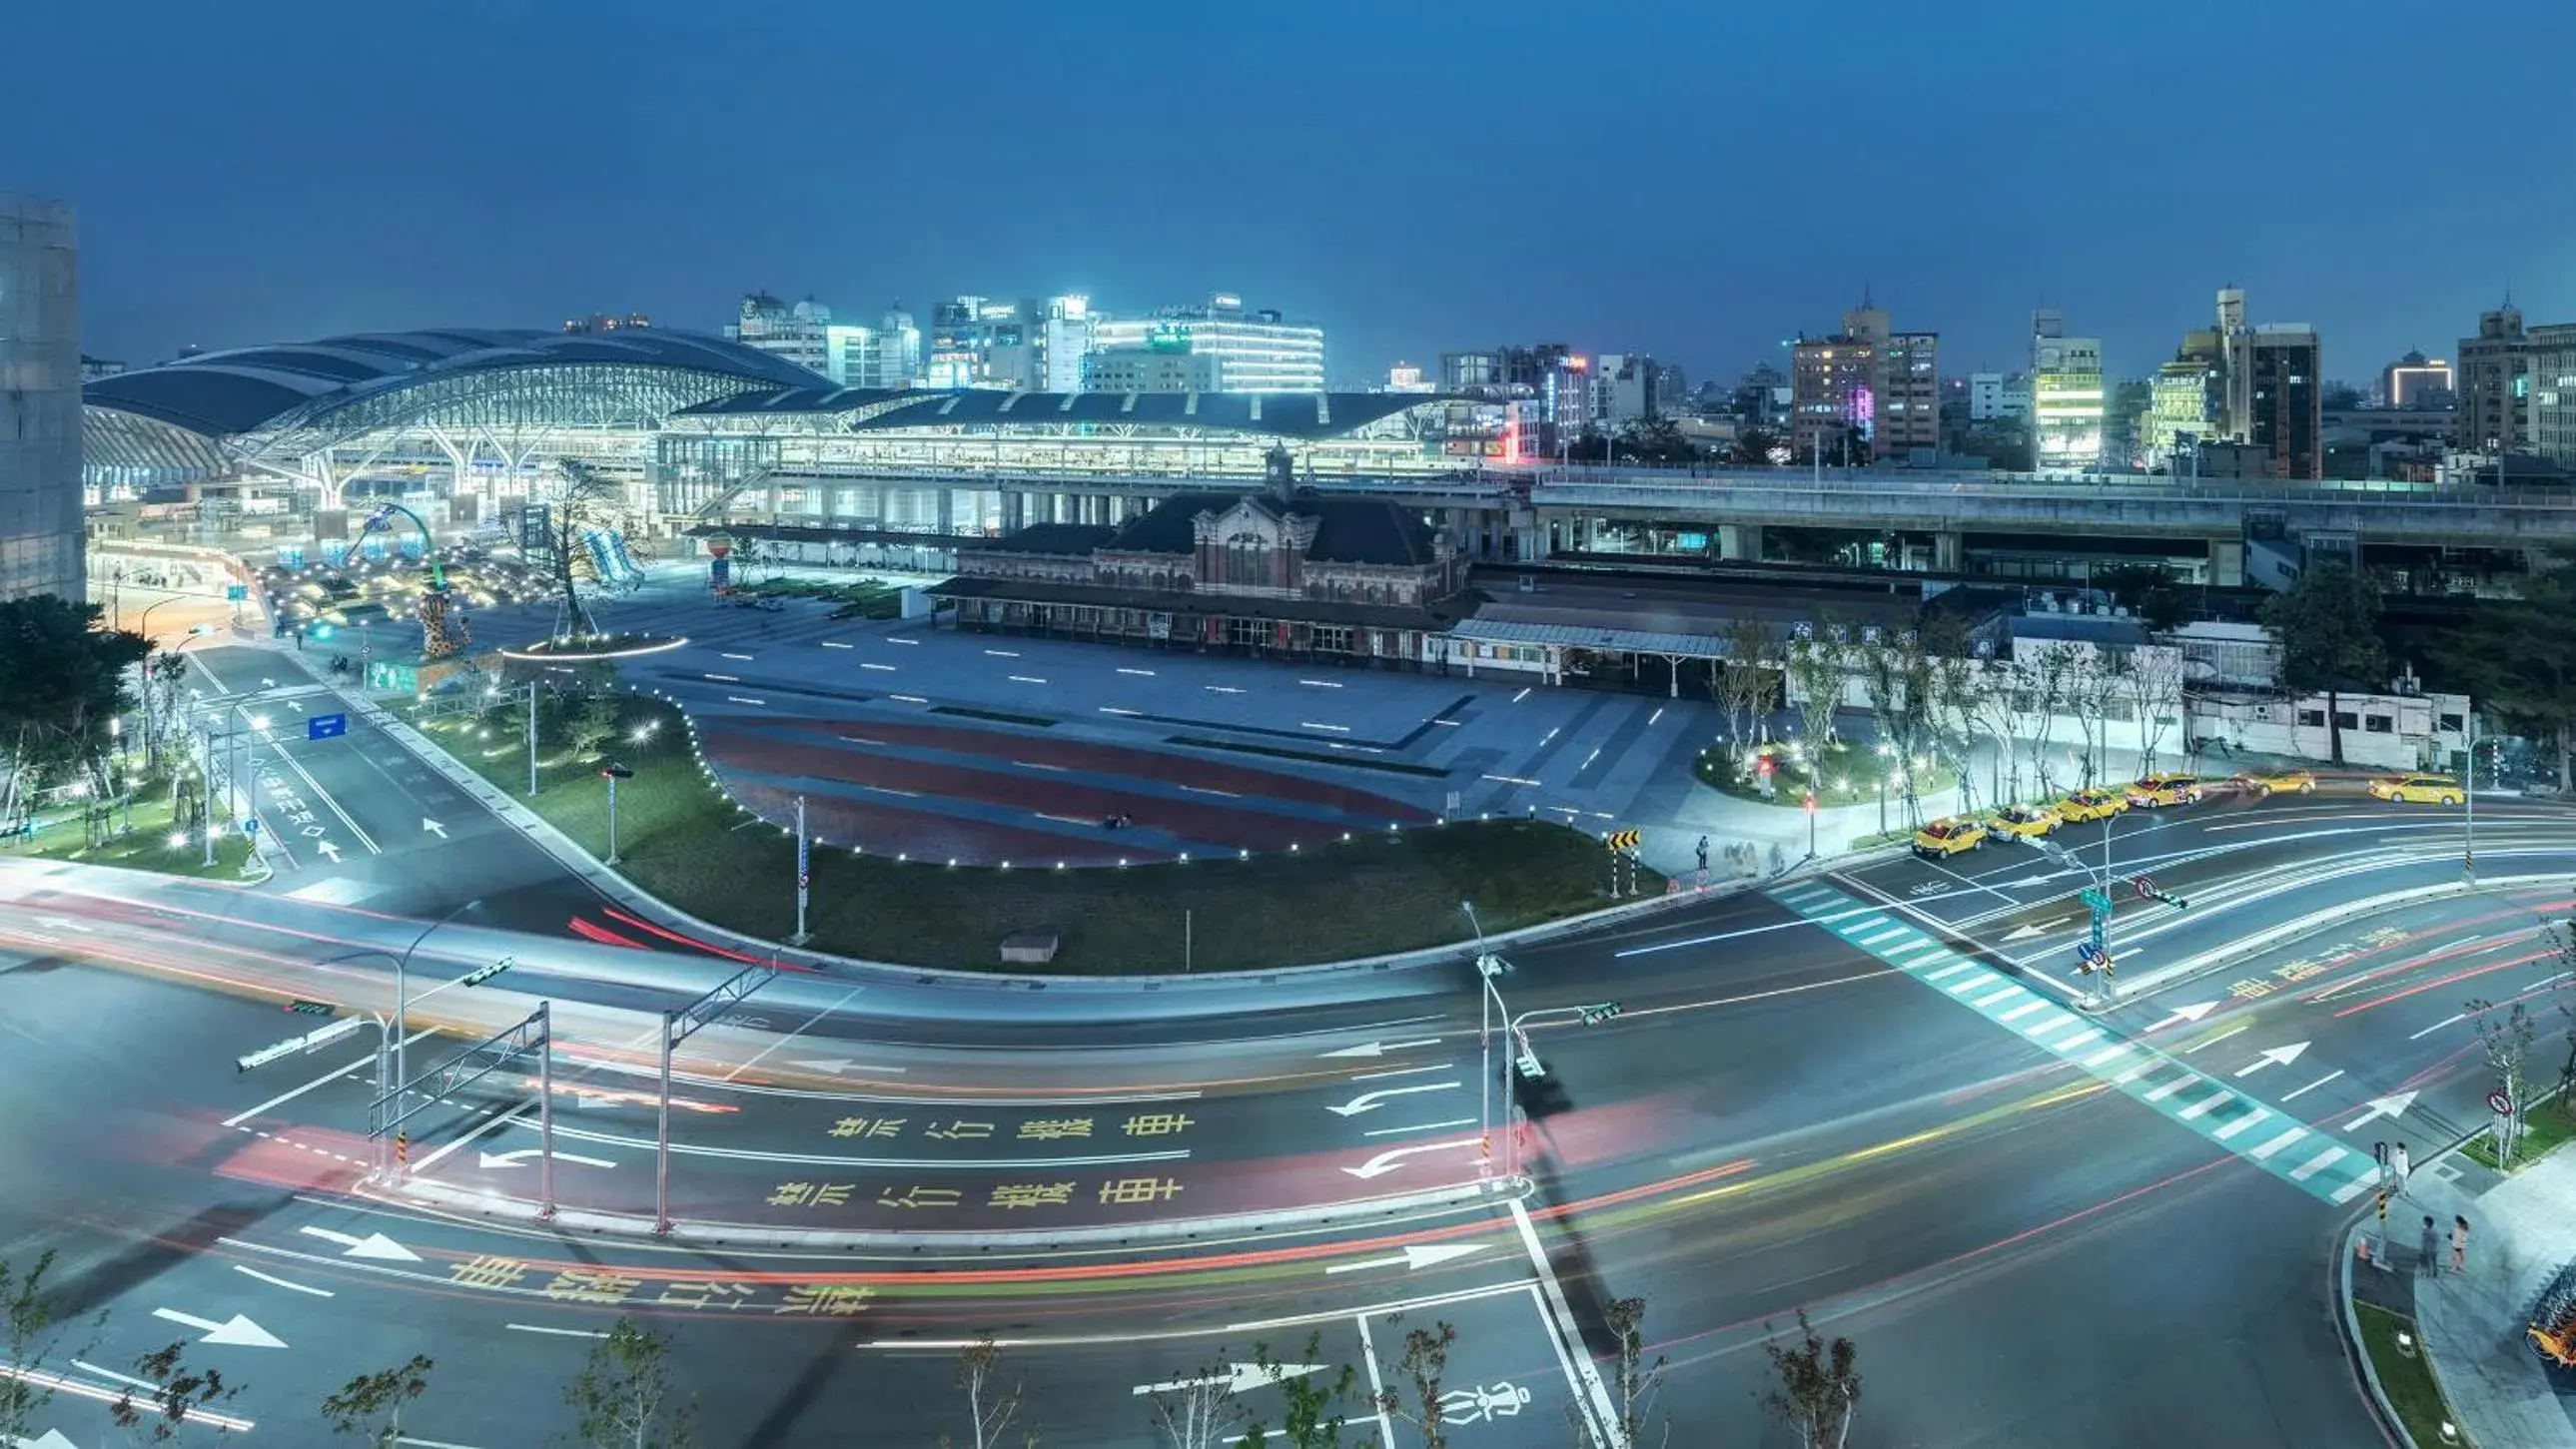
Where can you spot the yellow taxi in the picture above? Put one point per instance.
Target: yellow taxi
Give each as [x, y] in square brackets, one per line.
[2418, 789]
[2154, 790]
[2091, 805]
[1945, 838]
[2275, 782]
[2024, 822]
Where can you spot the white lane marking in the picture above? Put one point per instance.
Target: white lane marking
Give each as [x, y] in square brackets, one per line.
[1911, 948]
[2352, 1189]
[2107, 1055]
[2312, 1086]
[2450, 1020]
[2084, 1038]
[2215, 1040]
[1978, 982]
[2007, 993]
[791, 1036]
[353, 1069]
[744, 657]
[899, 639]
[2202, 1107]
[1424, 1127]
[744, 699]
[879, 668]
[558, 1332]
[1147, 673]
[251, 1272]
[1584, 1374]
[486, 1125]
[1873, 940]
[837, 644]
[2176, 1085]
[1026, 679]
[2057, 1023]
[2025, 1009]
[725, 678]
[1947, 972]
[2315, 1165]
[428, 1443]
[2241, 1123]
[2277, 1143]
[1377, 1381]
[2139, 1069]
[1333, 728]
[325, 797]
[909, 698]
[1003, 653]
[1395, 1072]
[1319, 683]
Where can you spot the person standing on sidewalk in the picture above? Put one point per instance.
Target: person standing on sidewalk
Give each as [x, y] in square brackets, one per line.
[2427, 1256]
[2459, 1244]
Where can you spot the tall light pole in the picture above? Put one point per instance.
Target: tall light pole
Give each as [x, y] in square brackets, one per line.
[532, 738]
[402, 966]
[613, 772]
[1488, 966]
[1526, 1062]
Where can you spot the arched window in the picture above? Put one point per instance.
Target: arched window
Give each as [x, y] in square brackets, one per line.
[1247, 561]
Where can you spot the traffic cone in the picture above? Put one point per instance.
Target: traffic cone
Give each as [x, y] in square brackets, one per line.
[2361, 1249]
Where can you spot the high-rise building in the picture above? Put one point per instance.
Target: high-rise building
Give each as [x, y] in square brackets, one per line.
[1064, 340]
[1909, 404]
[2285, 394]
[797, 333]
[1763, 399]
[2068, 399]
[1995, 395]
[2495, 384]
[2552, 372]
[41, 543]
[887, 355]
[1624, 388]
[1502, 372]
[1255, 350]
[1147, 369]
[2416, 381]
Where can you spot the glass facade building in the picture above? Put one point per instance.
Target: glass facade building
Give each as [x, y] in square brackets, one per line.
[41, 544]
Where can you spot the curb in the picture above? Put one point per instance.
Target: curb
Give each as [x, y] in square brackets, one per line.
[1286, 1222]
[618, 888]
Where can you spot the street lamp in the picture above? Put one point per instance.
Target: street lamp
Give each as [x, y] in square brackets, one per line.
[402, 965]
[613, 772]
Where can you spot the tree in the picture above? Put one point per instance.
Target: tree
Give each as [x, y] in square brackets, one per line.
[2518, 657]
[1312, 1414]
[1425, 1360]
[1746, 687]
[620, 1396]
[1819, 1387]
[1635, 1384]
[1200, 1410]
[372, 1404]
[2152, 687]
[588, 501]
[598, 705]
[35, 1338]
[2507, 1038]
[2328, 627]
[171, 1394]
[989, 1407]
[1819, 667]
[66, 681]
[1754, 446]
[1958, 680]
[163, 674]
[2147, 591]
[1896, 675]
[2046, 687]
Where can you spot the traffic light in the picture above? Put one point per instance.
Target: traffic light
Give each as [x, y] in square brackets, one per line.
[1811, 804]
[481, 974]
[2169, 898]
[311, 1008]
[1594, 1015]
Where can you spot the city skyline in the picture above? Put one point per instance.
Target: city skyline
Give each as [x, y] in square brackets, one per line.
[528, 199]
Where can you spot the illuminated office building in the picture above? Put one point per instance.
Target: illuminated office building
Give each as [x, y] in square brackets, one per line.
[41, 543]
[2415, 381]
[1255, 350]
[2067, 397]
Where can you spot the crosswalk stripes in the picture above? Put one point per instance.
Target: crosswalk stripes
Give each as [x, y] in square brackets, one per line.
[2183, 1094]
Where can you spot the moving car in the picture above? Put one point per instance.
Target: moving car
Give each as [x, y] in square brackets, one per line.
[2418, 789]
[1944, 838]
[2024, 822]
[2091, 805]
[2275, 782]
[2153, 790]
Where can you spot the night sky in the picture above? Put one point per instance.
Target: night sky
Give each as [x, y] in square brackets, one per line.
[1693, 180]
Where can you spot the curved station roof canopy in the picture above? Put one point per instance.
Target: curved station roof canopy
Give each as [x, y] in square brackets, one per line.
[258, 389]
[1311, 416]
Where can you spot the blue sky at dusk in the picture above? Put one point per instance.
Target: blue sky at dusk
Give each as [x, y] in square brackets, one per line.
[1693, 180]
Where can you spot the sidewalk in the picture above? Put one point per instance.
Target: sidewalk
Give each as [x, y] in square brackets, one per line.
[2522, 1228]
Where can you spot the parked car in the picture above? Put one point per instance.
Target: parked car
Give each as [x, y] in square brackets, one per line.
[2155, 790]
[2275, 782]
[2418, 789]
[2091, 805]
[1945, 838]
[2023, 822]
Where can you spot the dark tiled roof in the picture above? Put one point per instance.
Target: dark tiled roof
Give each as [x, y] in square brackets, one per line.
[1058, 538]
[1169, 527]
[1438, 616]
[1347, 530]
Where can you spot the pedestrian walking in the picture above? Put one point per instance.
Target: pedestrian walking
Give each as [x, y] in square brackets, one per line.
[2403, 1165]
[2426, 1260]
[2459, 1244]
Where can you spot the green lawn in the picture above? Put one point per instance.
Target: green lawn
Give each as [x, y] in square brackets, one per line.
[2545, 1128]
[2407, 1381]
[61, 834]
[684, 841]
[1850, 776]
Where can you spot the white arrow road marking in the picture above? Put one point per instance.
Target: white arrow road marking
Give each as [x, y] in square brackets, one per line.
[1393, 1158]
[2392, 1105]
[1415, 1255]
[61, 923]
[238, 1332]
[327, 848]
[373, 1245]
[2024, 933]
[2193, 1012]
[433, 827]
[2279, 1056]
[1371, 1101]
[521, 1157]
[1381, 1048]
[2028, 882]
[1237, 1378]
[53, 1440]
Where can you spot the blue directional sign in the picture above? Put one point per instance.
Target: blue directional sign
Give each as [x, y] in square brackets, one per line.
[326, 726]
[235, 593]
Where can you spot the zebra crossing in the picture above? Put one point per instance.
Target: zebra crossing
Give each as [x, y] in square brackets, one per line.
[2267, 1136]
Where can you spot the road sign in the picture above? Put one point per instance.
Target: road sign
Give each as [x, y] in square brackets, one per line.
[251, 826]
[2096, 898]
[326, 726]
[1623, 839]
[2500, 1104]
[2145, 886]
[236, 593]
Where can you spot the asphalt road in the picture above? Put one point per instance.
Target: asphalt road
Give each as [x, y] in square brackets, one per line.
[2042, 1227]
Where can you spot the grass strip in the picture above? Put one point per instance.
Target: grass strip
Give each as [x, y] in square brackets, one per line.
[2406, 1379]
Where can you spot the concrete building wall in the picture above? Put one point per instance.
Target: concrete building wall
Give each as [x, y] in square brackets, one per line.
[40, 402]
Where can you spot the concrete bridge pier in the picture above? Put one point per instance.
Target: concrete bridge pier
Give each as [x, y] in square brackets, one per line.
[1949, 552]
[1739, 542]
[2227, 562]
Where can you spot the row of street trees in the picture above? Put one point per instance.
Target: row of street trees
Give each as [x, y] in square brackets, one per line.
[1933, 693]
[66, 688]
